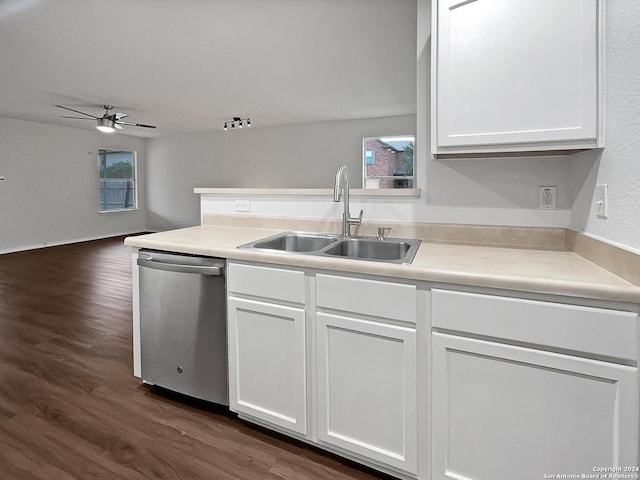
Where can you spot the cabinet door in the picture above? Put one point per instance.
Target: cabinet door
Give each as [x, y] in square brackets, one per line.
[367, 401]
[267, 367]
[502, 412]
[515, 75]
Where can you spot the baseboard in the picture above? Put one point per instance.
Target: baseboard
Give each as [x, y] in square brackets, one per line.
[25, 248]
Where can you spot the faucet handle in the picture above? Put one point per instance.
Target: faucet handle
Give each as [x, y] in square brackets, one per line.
[382, 231]
[352, 221]
[355, 220]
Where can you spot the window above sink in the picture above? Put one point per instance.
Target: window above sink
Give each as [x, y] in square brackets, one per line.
[387, 162]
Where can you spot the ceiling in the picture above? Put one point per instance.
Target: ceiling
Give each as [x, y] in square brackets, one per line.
[187, 66]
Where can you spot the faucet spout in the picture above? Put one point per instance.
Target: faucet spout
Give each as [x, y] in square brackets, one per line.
[341, 188]
[341, 174]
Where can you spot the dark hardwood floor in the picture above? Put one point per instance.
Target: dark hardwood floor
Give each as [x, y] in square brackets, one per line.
[70, 407]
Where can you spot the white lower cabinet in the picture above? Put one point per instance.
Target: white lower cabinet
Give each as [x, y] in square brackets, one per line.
[439, 384]
[334, 365]
[267, 345]
[367, 399]
[520, 402]
[267, 362]
[505, 412]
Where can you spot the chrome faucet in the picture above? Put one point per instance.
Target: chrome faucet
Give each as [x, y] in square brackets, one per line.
[342, 184]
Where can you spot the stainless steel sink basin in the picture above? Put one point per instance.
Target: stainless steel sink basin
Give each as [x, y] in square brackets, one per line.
[294, 242]
[390, 250]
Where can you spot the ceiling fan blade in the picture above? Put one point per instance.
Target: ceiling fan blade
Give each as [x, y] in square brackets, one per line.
[77, 111]
[79, 118]
[120, 116]
[118, 127]
[136, 124]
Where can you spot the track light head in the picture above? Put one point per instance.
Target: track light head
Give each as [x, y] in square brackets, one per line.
[241, 122]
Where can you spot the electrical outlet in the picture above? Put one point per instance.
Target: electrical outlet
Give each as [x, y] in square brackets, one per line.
[547, 198]
[243, 206]
[601, 200]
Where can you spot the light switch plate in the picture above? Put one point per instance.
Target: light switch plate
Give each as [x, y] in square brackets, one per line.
[602, 191]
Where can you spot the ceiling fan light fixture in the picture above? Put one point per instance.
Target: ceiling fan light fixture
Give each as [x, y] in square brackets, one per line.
[106, 125]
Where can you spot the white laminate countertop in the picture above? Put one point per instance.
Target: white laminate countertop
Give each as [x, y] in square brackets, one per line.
[528, 270]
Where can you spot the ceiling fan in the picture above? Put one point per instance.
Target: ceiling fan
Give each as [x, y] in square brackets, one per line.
[107, 123]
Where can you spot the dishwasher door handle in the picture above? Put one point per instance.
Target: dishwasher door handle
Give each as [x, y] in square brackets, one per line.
[175, 267]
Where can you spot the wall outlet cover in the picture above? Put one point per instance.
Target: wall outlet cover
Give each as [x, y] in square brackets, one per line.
[243, 206]
[547, 198]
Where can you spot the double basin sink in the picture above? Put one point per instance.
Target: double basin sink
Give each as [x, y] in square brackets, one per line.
[390, 250]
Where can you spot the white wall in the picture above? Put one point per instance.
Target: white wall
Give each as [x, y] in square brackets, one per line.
[619, 163]
[487, 191]
[295, 156]
[481, 191]
[50, 191]
[494, 191]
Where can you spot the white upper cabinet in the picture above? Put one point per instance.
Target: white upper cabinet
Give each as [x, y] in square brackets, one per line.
[515, 76]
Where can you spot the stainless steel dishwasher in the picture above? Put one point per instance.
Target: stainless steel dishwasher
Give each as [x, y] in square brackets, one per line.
[183, 324]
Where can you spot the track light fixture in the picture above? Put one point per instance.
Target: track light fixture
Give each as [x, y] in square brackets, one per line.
[240, 122]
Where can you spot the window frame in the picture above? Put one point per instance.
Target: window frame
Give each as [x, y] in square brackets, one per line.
[134, 179]
[385, 177]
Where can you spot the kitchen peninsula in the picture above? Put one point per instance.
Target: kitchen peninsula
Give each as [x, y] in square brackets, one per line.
[493, 339]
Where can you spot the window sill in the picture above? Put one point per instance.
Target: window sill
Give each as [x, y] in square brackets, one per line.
[119, 210]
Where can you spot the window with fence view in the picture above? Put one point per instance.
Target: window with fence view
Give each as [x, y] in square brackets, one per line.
[117, 184]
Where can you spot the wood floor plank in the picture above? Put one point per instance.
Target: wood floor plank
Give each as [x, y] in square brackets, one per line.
[70, 408]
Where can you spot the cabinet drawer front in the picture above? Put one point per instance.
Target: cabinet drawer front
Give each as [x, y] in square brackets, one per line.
[368, 297]
[597, 331]
[272, 283]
